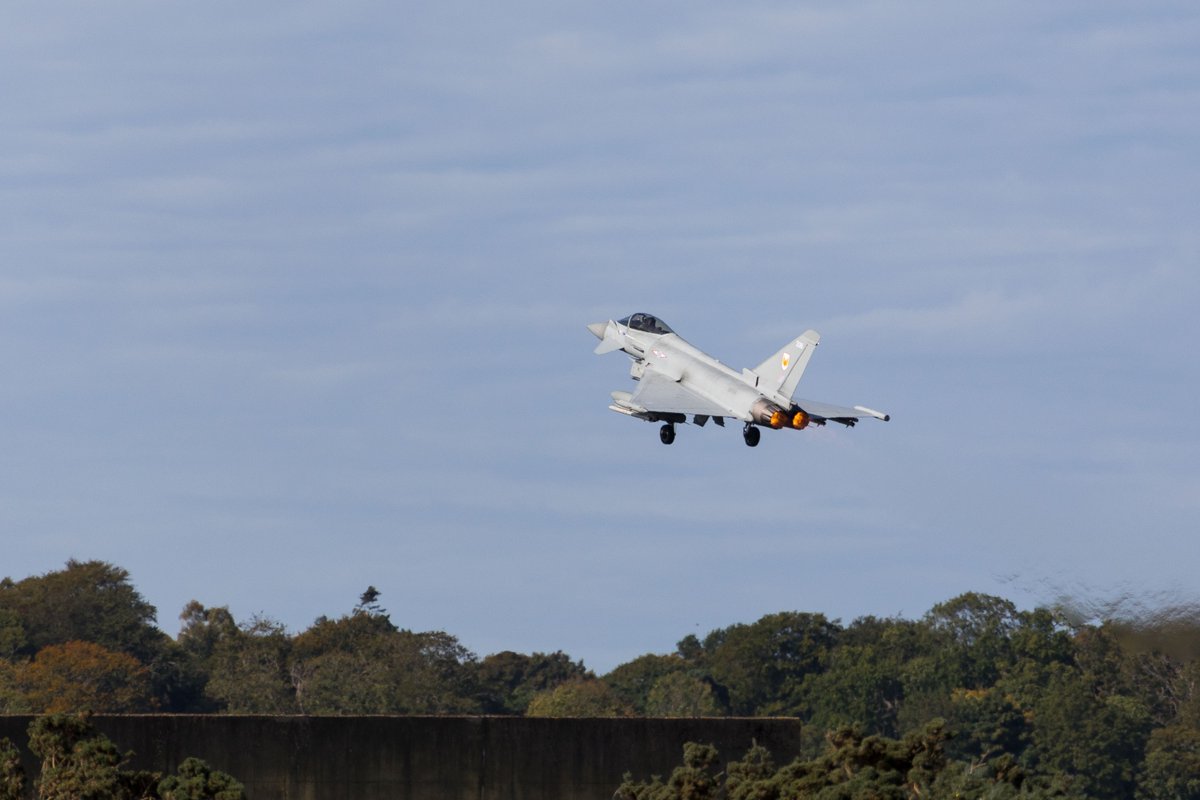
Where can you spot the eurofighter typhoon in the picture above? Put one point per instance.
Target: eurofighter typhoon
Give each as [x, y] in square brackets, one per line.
[677, 381]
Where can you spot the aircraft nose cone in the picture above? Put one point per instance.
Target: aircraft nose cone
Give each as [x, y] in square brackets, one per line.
[597, 329]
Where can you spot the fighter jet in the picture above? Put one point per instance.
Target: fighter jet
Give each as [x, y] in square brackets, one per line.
[677, 380]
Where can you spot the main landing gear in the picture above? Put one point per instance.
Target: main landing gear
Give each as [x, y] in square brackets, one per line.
[667, 433]
[751, 433]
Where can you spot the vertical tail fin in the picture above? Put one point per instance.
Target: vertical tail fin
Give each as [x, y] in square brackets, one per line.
[781, 372]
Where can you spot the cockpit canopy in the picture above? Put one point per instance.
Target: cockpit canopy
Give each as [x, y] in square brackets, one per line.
[645, 323]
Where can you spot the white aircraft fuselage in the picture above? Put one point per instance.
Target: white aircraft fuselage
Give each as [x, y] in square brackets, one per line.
[678, 380]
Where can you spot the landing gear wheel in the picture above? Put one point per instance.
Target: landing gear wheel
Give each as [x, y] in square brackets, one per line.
[751, 434]
[667, 433]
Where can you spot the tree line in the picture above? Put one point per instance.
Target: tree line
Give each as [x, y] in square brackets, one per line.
[1023, 702]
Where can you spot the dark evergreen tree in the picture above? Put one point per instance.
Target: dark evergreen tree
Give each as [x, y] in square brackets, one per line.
[508, 681]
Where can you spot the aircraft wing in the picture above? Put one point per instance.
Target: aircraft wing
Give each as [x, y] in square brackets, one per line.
[846, 416]
[660, 393]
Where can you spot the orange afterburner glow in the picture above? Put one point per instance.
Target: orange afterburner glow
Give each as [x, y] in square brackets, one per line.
[800, 421]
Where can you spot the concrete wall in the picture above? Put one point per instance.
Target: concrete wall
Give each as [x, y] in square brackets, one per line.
[428, 758]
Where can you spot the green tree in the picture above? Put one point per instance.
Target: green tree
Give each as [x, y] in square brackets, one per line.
[362, 664]
[12, 774]
[763, 665]
[864, 679]
[1041, 636]
[189, 665]
[989, 725]
[678, 694]
[78, 763]
[693, 780]
[13, 699]
[343, 666]
[1121, 659]
[963, 644]
[249, 670]
[204, 629]
[861, 685]
[1187, 693]
[88, 601]
[508, 681]
[752, 778]
[585, 697]
[633, 680]
[1171, 770]
[346, 634]
[368, 603]
[974, 631]
[1097, 742]
[690, 649]
[853, 766]
[92, 601]
[1098, 653]
[197, 781]
[871, 766]
[12, 633]
[186, 667]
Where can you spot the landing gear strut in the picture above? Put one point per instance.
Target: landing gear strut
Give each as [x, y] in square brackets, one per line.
[667, 433]
[751, 433]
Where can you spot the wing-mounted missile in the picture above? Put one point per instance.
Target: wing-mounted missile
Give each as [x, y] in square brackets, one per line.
[623, 404]
[872, 412]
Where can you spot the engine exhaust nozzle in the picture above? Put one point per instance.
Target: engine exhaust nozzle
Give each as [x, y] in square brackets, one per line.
[764, 412]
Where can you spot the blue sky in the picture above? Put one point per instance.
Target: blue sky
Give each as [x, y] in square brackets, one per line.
[292, 301]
